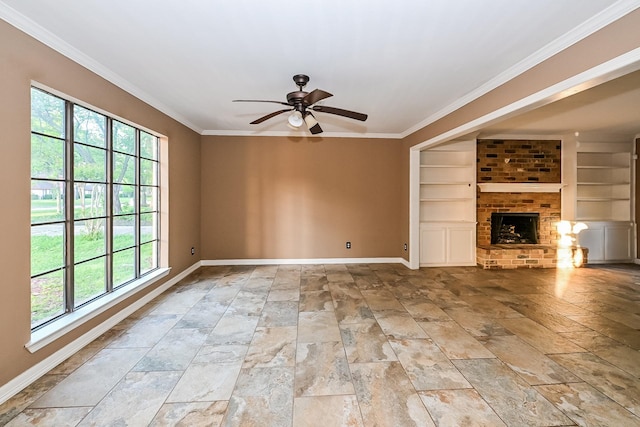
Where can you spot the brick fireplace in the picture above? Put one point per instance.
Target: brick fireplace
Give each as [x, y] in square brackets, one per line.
[520, 164]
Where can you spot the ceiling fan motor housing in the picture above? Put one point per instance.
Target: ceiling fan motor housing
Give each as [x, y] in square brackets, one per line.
[296, 98]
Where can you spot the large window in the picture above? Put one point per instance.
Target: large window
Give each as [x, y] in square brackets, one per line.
[94, 205]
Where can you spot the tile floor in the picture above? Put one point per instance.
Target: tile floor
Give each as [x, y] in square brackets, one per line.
[360, 345]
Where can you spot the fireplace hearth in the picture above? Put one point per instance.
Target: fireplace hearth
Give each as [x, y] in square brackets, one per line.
[514, 228]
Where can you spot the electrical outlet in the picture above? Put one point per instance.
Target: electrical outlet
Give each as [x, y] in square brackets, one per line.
[406, 247]
[348, 245]
[193, 250]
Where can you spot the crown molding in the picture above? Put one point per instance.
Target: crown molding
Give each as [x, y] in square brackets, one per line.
[303, 135]
[590, 26]
[595, 23]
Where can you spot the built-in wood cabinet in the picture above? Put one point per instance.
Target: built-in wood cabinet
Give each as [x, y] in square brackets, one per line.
[608, 241]
[604, 199]
[448, 204]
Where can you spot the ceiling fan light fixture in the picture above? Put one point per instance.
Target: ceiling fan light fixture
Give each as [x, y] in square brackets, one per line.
[312, 123]
[295, 119]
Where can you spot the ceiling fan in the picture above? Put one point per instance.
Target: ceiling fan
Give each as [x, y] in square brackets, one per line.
[301, 104]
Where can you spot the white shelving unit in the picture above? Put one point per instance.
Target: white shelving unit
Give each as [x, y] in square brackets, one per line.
[603, 181]
[448, 204]
[603, 199]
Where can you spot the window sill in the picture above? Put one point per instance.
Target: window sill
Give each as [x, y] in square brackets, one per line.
[57, 329]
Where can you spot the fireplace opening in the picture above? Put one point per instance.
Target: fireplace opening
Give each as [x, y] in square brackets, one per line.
[514, 228]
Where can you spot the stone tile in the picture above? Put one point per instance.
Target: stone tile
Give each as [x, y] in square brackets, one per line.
[424, 310]
[205, 382]
[315, 282]
[631, 320]
[365, 342]
[203, 315]
[459, 408]
[330, 411]
[322, 369]
[352, 310]
[16, 404]
[339, 276]
[386, 396]
[526, 361]
[221, 296]
[557, 305]
[398, 325]
[489, 307]
[279, 313]
[205, 414]
[613, 382]
[146, 332]
[263, 397]
[478, 325]
[122, 406]
[284, 294]
[179, 302]
[455, 342]
[382, 299]
[444, 298]
[54, 417]
[233, 329]
[611, 329]
[610, 350]
[174, 351]
[552, 321]
[317, 326]
[426, 366]
[248, 303]
[586, 406]
[316, 301]
[90, 383]
[272, 347]
[75, 361]
[548, 342]
[515, 402]
[221, 353]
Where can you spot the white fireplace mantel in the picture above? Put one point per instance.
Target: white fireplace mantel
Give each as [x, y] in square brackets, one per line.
[519, 187]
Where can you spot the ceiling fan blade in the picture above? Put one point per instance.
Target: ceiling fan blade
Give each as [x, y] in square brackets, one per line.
[315, 96]
[340, 112]
[268, 116]
[260, 100]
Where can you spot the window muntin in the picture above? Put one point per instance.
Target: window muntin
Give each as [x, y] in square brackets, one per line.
[105, 234]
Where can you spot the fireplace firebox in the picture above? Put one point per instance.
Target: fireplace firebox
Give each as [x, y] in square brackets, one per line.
[514, 228]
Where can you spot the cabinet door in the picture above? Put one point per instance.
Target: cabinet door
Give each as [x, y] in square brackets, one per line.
[433, 245]
[617, 242]
[462, 246]
[593, 239]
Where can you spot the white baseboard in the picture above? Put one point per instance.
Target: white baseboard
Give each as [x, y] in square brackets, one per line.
[23, 380]
[383, 260]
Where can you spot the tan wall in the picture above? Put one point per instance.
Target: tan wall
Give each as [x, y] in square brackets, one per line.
[267, 197]
[23, 59]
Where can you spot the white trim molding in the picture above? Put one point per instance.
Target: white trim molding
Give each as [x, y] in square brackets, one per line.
[298, 261]
[519, 187]
[23, 380]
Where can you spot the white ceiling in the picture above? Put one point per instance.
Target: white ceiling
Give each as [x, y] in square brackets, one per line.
[405, 63]
[612, 108]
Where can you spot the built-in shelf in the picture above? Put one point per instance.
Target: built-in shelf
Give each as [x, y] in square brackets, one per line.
[519, 187]
[448, 204]
[603, 185]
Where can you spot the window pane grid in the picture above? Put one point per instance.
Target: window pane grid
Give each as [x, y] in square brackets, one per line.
[105, 233]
